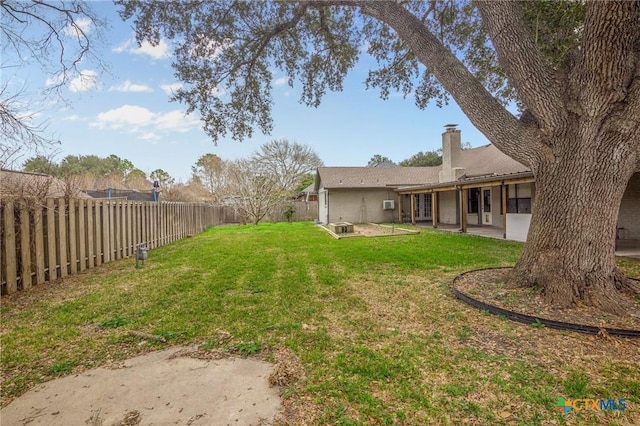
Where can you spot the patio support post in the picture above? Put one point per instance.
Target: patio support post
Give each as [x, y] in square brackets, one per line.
[463, 209]
[434, 208]
[399, 208]
[503, 188]
[413, 208]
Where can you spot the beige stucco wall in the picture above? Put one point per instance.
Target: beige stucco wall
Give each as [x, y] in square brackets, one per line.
[323, 206]
[361, 205]
[447, 207]
[629, 215]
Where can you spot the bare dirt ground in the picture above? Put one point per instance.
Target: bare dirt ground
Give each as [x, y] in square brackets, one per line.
[374, 230]
[171, 387]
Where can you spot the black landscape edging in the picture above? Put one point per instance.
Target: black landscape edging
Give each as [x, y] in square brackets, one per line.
[528, 319]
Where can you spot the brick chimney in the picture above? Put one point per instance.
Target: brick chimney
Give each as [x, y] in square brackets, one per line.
[451, 154]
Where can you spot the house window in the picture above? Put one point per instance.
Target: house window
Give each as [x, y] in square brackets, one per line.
[519, 198]
[473, 200]
[486, 201]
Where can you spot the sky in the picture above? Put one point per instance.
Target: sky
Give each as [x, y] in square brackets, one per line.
[126, 111]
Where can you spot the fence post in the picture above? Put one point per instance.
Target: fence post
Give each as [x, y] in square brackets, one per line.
[10, 247]
[81, 236]
[25, 246]
[99, 227]
[130, 244]
[90, 233]
[73, 245]
[112, 242]
[62, 242]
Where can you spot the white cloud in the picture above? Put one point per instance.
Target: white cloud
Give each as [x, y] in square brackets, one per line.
[72, 117]
[161, 51]
[145, 123]
[87, 80]
[149, 136]
[170, 89]
[130, 116]
[176, 121]
[128, 86]
[280, 81]
[54, 81]
[82, 25]
[124, 46]
[217, 92]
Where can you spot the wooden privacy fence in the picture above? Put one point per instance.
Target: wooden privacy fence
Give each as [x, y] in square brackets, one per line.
[43, 242]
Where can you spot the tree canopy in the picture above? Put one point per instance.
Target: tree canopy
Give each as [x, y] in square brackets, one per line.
[80, 164]
[423, 159]
[573, 69]
[379, 159]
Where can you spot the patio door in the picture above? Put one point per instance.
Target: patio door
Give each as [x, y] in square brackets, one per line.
[486, 206]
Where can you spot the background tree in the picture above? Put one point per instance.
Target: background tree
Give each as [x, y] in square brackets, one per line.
[41, 164]
[164, 179]
[112, 166]
[253, 193]
[424, 159]
[287, 163]
[378, 159]
[307, 180]
[137, 179]
[572, 67]
[53, 34]
[211, 172]
[118, 166]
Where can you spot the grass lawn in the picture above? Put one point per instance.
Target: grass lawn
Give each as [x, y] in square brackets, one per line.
[379, 336]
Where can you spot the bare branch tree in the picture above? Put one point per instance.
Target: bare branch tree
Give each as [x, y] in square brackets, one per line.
[53, 35]
[288, 162]
[252, 193]
[212, 173]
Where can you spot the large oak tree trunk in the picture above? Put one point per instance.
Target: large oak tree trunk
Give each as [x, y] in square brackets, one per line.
[570, 247]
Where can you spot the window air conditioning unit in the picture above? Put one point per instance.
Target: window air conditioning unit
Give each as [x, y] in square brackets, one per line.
[388, 204]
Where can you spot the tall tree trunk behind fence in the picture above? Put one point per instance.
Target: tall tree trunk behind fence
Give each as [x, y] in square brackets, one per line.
[45, 241]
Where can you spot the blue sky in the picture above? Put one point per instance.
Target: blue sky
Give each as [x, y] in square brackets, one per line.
[126, 111]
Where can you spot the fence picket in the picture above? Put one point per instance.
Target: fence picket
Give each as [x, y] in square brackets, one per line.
[73, 238]
[51, 240]
[82, 240]
[10, 247]
[39, 243]
[98, 228]
[62, 235]
[90, 235]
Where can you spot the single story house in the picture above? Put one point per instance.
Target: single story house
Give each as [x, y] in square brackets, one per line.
[18, 184]
[473, 187]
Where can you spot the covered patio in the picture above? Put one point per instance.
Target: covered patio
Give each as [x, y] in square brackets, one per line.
[625, 247]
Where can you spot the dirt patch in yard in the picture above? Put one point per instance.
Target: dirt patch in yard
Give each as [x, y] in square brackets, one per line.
[374, 230]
